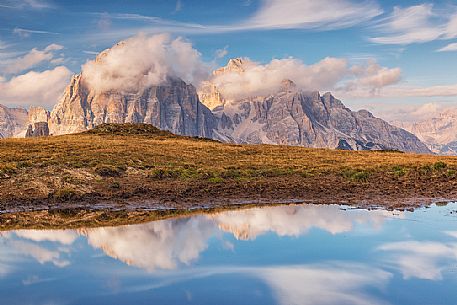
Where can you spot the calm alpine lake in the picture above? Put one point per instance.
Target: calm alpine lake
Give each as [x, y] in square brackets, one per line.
[297, 254]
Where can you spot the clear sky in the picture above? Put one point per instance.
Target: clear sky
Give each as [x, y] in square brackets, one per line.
[413, 43]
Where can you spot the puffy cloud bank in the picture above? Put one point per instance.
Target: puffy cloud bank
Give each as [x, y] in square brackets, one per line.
[39, 88]
[144, 61]
[329, 74]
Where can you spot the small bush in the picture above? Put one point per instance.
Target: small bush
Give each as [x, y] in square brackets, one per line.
[165, 173]
[356, 175]
[23, 164]
[115, 185]
[65, 194]
[426, 169]
[108, 171]
[7, 171]
[451, 173]
[216, 180]
[399, 171]
[439, 165]
[231, 174]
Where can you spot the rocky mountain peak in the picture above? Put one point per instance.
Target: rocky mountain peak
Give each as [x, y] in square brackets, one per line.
[236, 65]
[365, 113]
[39, 129]
[173, 106]
[287, 85]
[12, 121]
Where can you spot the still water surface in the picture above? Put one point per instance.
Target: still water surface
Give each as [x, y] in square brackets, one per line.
[301, 254]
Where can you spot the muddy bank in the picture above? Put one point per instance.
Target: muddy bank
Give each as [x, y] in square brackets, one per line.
[147, 170]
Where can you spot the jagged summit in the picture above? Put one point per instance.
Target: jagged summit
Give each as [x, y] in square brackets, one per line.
[285, 114]
[233, 65]
[438, 132]
[287, 85]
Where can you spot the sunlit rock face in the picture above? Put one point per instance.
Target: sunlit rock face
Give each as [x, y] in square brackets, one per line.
[172, 106]
[36, 130]
[12, 121]
[292, 116]
[139, 80]
[439, 132]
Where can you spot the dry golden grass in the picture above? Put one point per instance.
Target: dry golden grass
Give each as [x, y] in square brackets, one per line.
[138, 161]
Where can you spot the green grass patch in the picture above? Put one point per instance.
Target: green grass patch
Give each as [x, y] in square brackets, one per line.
[440, 165]
[357, 175]
[399, 171]
[109, 170]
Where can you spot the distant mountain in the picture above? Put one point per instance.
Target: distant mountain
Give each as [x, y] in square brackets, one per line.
[14, 122]
[439, 133]
[173, 106]
[292, 116]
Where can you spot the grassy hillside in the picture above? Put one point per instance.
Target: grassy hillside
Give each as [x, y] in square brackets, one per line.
[138, 165]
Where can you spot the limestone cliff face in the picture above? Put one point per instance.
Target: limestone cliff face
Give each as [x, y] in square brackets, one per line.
[39, 129]
[209, 93]
[12, 121]
[37, 115]
[292, 116]
[173, 106]
[439, 132]
[295, 117]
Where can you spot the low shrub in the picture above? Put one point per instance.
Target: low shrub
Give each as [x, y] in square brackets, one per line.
[440, 165]
[356, 175]
[65, 194]
[109, 171]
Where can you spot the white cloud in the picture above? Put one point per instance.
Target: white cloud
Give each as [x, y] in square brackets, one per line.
[449, 48]
[178, 6]
[296, 220]
[338, 283]
[221, 53]
[104, 23]
[144, 61]
[3, 45]
[37, 4]
[311, 14]
[421, 259]
[369, 80]
[43, 88]
[271, 14]
[169, 243]
[24, 33]
[26, 4]
[413, 91]
[65, 237]
[416, 24]
[329, 74]
[30, 60]
[42, 255]
[156, 245]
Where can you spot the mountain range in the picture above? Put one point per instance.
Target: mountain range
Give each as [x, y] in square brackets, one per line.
[439, 133]
[288, 116]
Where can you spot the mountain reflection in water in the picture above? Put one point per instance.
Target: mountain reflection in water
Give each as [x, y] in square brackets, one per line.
[297, 254]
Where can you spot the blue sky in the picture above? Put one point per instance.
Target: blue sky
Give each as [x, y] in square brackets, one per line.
[408, 36]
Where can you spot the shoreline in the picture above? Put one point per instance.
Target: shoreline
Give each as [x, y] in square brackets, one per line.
[105, 215]
[138, 167]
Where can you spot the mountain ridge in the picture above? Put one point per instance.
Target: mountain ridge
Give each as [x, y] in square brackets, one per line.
[290, 116]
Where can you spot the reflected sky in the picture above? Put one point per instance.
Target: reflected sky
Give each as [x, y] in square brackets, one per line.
[298, 254]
